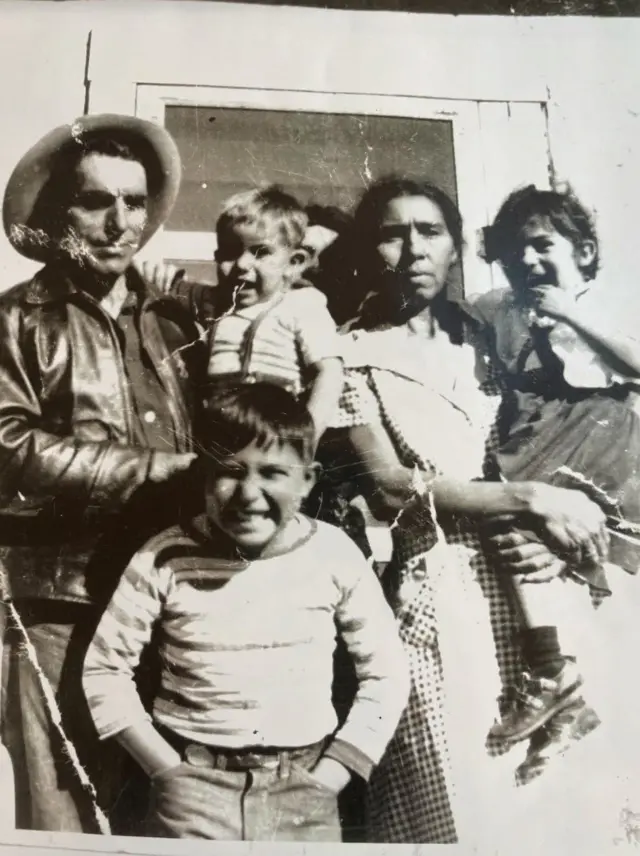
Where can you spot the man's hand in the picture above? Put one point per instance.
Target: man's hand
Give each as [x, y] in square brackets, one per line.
[332, 774]
[164, 465]
[158, 274]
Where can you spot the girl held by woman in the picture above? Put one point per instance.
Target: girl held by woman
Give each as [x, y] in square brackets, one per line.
[568, 374]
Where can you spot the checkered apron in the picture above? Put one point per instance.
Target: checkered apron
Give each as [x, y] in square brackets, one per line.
[458, 628]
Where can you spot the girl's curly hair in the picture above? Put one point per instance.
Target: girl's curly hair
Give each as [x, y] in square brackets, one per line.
[561, 208]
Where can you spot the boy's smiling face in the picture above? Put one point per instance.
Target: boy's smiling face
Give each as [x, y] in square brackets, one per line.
[252, 495]
[254, 261]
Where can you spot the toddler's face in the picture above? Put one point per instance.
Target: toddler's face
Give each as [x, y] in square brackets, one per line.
[254, 262]
[252, 495]
[544, 257]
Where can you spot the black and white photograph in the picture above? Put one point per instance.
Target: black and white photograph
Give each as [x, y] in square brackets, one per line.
[319, 426]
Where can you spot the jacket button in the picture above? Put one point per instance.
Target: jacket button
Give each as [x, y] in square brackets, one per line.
[149, 417]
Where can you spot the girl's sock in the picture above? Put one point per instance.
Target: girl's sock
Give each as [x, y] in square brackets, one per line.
[541, 651]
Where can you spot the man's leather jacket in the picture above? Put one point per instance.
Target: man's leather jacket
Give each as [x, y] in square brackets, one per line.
[70, 474]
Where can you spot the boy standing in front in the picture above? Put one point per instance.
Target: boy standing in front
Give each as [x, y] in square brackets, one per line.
[248, 599]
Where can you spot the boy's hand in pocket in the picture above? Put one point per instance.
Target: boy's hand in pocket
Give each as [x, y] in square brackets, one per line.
[332, 774]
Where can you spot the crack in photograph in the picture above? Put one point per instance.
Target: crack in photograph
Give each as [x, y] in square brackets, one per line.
[319, 425]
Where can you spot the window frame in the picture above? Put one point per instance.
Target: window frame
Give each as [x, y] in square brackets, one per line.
[478, 130]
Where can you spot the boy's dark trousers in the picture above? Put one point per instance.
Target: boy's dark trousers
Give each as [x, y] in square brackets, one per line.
[276, 800]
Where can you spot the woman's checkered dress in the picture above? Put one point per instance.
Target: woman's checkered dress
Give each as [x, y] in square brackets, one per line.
[418, 793]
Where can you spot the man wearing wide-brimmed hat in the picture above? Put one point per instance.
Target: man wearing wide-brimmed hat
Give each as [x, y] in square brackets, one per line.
[96, 409]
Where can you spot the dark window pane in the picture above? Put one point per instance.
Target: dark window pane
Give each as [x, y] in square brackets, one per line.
[204, 272]
[324, 158]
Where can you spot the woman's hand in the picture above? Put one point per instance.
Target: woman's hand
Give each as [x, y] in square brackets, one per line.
[525, 556]
[573, 526]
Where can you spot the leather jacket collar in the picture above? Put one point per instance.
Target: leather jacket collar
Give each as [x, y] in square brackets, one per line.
[54, 283]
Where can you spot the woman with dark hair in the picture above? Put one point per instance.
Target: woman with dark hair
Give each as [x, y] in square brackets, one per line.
[415, 415]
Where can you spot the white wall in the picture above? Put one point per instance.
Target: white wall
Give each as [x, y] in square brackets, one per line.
[585, 68]
[42, 64]
[595, 140]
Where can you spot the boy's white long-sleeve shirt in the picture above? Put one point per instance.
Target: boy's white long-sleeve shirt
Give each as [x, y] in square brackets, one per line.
[247, 648]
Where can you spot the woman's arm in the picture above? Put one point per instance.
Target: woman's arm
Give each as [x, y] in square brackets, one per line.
[389, 486]
[483, 499]
[386, 484]
[567, 519]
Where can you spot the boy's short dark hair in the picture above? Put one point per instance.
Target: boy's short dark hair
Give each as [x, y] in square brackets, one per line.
[258, 205]
[561, 208]
[263, 413]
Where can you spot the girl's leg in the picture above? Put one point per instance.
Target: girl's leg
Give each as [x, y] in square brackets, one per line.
[554, 680]
[537, 604]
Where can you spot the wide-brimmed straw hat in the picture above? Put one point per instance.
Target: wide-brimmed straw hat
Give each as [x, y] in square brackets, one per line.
[27, 185]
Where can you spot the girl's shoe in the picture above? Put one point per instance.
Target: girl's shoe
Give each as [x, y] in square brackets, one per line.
[535, 701]
[553, 740]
